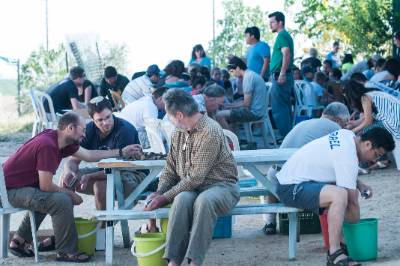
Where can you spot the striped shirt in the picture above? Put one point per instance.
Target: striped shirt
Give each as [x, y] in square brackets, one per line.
[136, 89]
[388, 111]
[196, 159]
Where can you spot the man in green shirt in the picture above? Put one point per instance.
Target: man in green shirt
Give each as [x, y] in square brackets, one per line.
[282, 78]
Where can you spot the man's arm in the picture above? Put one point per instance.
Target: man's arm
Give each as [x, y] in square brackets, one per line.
[265, 67]
[46, 184]
[352, 214]
[96, 155]
[76, 104]
[245, 103]
[285, 64]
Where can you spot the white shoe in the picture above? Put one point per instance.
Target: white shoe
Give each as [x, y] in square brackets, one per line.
[101, 239]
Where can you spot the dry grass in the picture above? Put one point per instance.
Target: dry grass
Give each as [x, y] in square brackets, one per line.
[10, 122]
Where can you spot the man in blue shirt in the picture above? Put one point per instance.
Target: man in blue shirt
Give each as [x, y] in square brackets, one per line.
[334, 55]
[258, 53]
[105, 132]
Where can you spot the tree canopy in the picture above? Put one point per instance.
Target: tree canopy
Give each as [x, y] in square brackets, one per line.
[363, 26]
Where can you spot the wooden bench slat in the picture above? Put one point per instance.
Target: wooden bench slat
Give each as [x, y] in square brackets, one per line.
[163, 212]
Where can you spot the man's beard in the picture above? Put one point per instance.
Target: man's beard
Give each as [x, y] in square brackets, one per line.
[72, 141]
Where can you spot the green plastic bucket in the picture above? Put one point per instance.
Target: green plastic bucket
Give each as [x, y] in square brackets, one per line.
[149, 249]
[362, 239]
[86, 235]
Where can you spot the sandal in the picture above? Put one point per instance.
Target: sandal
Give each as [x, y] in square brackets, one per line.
[76, 257]
[343, 246]
[21, 250]
[51, 247]
[269, 229]
[343, 262]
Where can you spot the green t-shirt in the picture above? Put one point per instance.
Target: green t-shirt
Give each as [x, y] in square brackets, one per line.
[282, 40]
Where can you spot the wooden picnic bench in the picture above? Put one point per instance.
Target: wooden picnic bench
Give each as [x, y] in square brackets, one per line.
[248, 159]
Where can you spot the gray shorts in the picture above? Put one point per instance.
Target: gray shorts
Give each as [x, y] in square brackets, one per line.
[303, 196]
[241, 115]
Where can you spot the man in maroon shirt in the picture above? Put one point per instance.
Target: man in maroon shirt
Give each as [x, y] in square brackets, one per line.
[28, 175]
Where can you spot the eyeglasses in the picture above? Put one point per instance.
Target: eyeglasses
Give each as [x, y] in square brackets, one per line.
[97, 100]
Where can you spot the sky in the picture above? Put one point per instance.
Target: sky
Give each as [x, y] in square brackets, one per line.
[154, 31]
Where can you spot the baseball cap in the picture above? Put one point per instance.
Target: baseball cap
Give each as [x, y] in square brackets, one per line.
[152, 70]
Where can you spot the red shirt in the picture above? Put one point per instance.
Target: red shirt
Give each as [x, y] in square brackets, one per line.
[40, 153]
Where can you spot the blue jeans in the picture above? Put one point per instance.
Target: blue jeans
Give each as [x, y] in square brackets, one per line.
[281, 107]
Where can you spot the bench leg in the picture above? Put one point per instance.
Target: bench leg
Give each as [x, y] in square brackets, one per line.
[109, 242]
[119, 189]
[292, 235]
[5, 229]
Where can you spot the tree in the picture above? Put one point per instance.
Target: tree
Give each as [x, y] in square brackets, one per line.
[237, 18]
[43, 68]
[116, 55]
[363, 26]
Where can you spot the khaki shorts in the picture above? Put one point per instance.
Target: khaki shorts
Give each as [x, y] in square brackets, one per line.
[130, 180]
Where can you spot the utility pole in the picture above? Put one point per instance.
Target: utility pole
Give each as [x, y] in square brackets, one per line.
[47, 26]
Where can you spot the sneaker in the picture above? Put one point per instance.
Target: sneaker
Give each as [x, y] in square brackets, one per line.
[269, 229]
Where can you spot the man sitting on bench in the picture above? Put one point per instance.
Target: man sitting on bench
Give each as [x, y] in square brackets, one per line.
[199, 178]
[323, 175]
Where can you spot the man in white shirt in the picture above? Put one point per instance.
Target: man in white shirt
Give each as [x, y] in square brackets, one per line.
[142, 85]
[323, 175]
[144, 108]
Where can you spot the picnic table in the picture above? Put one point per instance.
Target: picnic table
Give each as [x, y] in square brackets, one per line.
[249, 159]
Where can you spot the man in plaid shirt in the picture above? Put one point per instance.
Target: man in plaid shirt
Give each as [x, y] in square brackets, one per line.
[199, 179]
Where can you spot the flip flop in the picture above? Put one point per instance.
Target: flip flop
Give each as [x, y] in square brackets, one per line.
[23, 250]
[51, 247]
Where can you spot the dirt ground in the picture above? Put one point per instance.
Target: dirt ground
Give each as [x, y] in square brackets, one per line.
[248, 245]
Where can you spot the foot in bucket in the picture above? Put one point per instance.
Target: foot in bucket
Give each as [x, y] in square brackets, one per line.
[20, 248]
[73, 257]
[150, 227]
[340, 258]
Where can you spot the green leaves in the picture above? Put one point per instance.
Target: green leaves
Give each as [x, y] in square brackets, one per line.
[363, 26]
[230, 40]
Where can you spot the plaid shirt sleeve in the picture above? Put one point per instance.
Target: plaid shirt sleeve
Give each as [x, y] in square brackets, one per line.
[169, 177]
[208, 148]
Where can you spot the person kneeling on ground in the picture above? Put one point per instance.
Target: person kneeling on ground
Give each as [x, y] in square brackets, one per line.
[200, 178]
[323, 175]
[28, 176]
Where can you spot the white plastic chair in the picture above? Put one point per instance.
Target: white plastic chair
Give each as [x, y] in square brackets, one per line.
[300, 107]
[265, 121]
[153, 130]
[44, 120]
[5, 213]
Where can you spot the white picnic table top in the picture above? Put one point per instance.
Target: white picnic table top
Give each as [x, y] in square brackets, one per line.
[242, 157]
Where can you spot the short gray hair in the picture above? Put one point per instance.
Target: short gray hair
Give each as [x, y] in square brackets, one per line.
[214, 90]
[337, 109]
[177, 100]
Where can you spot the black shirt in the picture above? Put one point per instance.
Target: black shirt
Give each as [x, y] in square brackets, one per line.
[119, 85]
[86, 84]
[313, 62]
[61, 95]
[123, 134]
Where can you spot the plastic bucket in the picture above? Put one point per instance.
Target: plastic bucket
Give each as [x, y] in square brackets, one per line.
[323, 220]
[86, 235]
[149, 249]
[362, 239]
[164, 225]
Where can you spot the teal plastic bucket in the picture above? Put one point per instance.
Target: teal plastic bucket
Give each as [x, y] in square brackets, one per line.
[362, 239]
